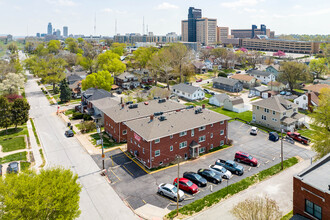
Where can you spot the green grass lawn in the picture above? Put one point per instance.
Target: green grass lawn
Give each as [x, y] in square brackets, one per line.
[12, 132]
[308, 132]
[287, 216]
[208, 95]
[69, 112]
[107, 143]
[247, 116]
[14, 157]
[25, 165]
[12, 144]
[256, 98]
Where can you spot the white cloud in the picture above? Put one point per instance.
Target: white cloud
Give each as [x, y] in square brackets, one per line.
[166, 5]
[297, 6]
[311, 13]
[62, 2]
[250, 9]
[240, 3]
[107, 10]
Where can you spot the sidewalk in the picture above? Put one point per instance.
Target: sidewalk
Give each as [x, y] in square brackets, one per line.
[278, 188]
[34, 147]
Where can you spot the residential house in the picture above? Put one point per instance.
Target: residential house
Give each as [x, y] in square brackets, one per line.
[316, 88]
[273, 69]
[218, 99]
[307, 101]
[157, 141]
[90, 95]
[188, 91]
[76, 89]
[144, 76]
[208, 64]
[247, 80]
[227, 84]
[199, 67]
[73, 78]
[235, 104]
[260, 91]
[276, 86]
[321, 81]
[277, 113]
[115, 117]
[99, 106]
[311, 191]
[127, 80]
[264, 76]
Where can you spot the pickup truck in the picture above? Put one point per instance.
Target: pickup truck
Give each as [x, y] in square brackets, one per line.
[230, 165]
[296, 136]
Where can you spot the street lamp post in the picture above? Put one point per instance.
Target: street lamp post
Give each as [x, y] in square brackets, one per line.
[100, 133]
[282, 149]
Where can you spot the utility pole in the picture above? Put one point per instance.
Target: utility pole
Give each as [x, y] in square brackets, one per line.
[100, 133]
[281, 149]
[177, 187]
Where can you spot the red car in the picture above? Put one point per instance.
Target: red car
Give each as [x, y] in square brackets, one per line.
[199, 80]
[245, 158]
[186, 185]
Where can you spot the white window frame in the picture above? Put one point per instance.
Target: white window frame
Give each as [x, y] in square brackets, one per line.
[201, 139]
[183, 145]
[171, 148]
[222, 132]
[157, 141]
[222, 143]
[211, 135]
[201, 128]
[183, 133]
[157, 153]
[202, 150]
[222, 122]
[192, 132]
[171, 136]
[124, 132]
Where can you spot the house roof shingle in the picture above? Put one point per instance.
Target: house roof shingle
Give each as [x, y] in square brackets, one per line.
[275, 103]
[95, 94]
[105, 103]
[125, 75]
[226, 81]
[186, 88]
[175, 122]
[242, 77]
[259, 73]
[220, 97]
[316, 88]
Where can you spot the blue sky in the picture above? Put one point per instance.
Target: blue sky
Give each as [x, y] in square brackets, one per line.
[19, 17]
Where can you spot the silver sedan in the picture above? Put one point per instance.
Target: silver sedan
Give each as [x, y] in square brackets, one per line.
[169, 190]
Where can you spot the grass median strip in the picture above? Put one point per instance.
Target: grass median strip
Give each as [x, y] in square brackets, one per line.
[35, 132]
[43, 158]
[12, 144]
[232, 189]
[14, 157]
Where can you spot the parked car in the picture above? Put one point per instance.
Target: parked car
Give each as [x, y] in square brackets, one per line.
[207, 91]
[69, 133]
[297, 137]
[119, 91]
[186, 185]
[246, 158]
[212, 93]
[254, 131]
[282, 92]
[288, 93]
[195, 178]
[238, 71]
[251, 95]
[199, 80]
[12, 167]
[210, 175]
[169, 190]
[230, 165]
[0, 170]
[223, 172]
[273, 136]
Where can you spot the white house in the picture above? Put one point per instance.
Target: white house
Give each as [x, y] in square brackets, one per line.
[307, 101]
[264, 76]
[188, 91]
[218, 99]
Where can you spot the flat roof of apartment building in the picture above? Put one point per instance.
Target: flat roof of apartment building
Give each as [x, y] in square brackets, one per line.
[175, 122]
[123, 112]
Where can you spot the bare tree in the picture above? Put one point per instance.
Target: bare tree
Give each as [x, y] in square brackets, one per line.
[257, 208]
[181, 56]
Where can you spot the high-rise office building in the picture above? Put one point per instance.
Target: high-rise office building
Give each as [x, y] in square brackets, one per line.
[38, 35]
[65, 31]
[252, 33]
[184, 30]
[222, 33]
[206, 31]
[58, 33]
[193, 15]
[49, 28]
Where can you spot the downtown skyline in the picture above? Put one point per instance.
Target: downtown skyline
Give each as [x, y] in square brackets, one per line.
[160, 17]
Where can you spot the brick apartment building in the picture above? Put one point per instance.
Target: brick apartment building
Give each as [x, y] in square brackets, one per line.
[115, 117]
[311, 191]
[156, 141]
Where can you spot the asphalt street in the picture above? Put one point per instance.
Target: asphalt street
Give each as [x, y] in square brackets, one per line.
[138, 188]
[98, 200]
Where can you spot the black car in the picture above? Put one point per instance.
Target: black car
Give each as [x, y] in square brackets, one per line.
[0, 170]
[207, 91]
[210, 175]
[12, 167]
[195, 178]
[69, 133]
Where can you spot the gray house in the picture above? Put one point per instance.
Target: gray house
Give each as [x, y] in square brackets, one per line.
[218, 99]
[227, 84]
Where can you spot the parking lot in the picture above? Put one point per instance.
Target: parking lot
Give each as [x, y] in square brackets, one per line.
[137, 187]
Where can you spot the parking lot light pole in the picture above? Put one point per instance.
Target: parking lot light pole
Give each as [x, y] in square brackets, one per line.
[177, 187]
[100, 133]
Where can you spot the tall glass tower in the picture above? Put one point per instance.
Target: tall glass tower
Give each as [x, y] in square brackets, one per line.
[193, 14]
[49, 29]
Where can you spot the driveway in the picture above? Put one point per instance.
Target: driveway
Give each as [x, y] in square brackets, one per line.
[139, 189]
[278, 188]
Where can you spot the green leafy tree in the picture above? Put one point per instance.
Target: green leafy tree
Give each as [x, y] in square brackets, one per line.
[50, 194]
[72, 45]
[54, 46]
[5, 113]
[162, 63]
[110, 61]
[65, 95]
[118, 48]
[142, 56]
[41, 50]
[12, 47]
[11, 83]
[54, 71]
[20, 112]
[321, 120]
[319, 66]
[293, 71]
[101, 80]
